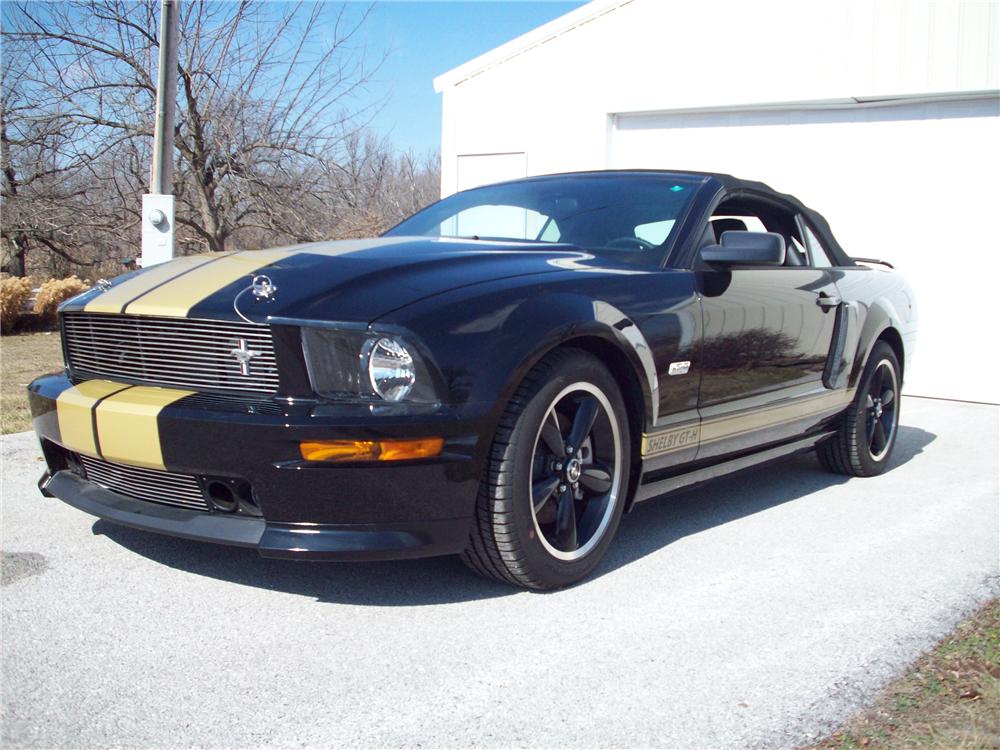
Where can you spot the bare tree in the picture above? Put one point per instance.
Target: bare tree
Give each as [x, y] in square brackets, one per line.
[267, 100]
[39, 164]
[373, 188]
[369, 188]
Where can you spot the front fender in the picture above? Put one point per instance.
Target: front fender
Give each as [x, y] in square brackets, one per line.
[485, 341]
[568, 317]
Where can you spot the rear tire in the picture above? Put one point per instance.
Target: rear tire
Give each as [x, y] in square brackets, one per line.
[548, 509]
[866, 437]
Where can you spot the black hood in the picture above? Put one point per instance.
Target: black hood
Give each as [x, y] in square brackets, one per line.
[350, 280]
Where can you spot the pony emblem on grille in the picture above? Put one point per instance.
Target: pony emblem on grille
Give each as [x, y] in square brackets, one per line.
[243, 355]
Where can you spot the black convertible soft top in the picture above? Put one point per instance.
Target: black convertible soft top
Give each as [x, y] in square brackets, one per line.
[816, 220]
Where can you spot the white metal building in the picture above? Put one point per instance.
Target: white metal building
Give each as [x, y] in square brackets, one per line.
[882, 114]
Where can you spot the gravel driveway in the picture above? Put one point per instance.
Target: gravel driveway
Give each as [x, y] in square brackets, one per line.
[758, 611]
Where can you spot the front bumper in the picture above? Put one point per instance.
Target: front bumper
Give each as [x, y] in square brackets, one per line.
[310, 511]
[284, 540]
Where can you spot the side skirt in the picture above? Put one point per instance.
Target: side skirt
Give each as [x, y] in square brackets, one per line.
[650, 490]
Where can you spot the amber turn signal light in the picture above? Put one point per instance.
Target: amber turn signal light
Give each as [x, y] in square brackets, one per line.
[370, 450]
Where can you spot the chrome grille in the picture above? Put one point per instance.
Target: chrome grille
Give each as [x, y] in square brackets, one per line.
[154, 486]
[175, 352]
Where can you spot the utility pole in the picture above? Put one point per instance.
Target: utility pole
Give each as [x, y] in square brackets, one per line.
[158, 204]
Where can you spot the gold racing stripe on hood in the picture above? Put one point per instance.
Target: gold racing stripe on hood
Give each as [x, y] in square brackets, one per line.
[74, 413]
[113, 300]
[127, 429]
[175, 298]
[173, 288]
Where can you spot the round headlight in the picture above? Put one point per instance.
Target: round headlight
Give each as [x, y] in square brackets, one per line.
[391, 370]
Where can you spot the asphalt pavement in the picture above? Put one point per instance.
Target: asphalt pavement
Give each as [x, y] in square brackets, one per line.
[759, 611]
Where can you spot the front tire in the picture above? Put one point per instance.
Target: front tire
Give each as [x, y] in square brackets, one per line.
[864, 442]
[554, 485]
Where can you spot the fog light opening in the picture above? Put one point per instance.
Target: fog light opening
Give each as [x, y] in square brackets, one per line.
[244, 495]
[221, 496]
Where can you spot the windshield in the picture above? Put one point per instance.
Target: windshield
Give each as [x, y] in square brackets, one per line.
[627, 217]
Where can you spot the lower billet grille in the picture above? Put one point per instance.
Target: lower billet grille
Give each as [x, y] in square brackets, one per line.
[151, 485]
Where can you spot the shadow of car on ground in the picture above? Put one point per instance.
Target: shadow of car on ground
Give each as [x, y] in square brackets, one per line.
[651, 526]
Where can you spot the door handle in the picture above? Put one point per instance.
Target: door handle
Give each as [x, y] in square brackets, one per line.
[826, 300]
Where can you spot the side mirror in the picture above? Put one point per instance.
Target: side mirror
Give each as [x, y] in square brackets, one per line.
[746, 249]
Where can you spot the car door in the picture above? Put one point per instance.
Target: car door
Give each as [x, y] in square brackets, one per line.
[767, 335]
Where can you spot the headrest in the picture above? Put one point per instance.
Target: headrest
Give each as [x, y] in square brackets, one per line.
[727, 225]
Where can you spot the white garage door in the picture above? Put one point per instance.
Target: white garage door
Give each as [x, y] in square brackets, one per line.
[915, 183]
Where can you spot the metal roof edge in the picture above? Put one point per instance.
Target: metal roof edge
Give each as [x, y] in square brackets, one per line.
[525, 42]
[866, 101]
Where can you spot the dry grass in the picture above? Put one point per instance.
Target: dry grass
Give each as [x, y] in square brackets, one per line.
[22, 359]
[948, 700]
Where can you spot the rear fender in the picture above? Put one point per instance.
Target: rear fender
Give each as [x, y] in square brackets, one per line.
[881, 315]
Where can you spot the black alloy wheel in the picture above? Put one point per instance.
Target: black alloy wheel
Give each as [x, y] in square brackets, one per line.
[555, 482]
[573, 471]
[880, 410]
[867, 433]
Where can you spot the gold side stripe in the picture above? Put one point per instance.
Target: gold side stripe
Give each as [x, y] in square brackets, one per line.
[127, 427]
[74, 408]
[669, 441]
[113, 300]
[176, 298]
[720, 428]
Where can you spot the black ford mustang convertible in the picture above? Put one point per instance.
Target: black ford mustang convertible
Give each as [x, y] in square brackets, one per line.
[501, 376]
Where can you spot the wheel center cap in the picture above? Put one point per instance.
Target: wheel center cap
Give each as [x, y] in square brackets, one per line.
[878, 408]
[573, 470]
